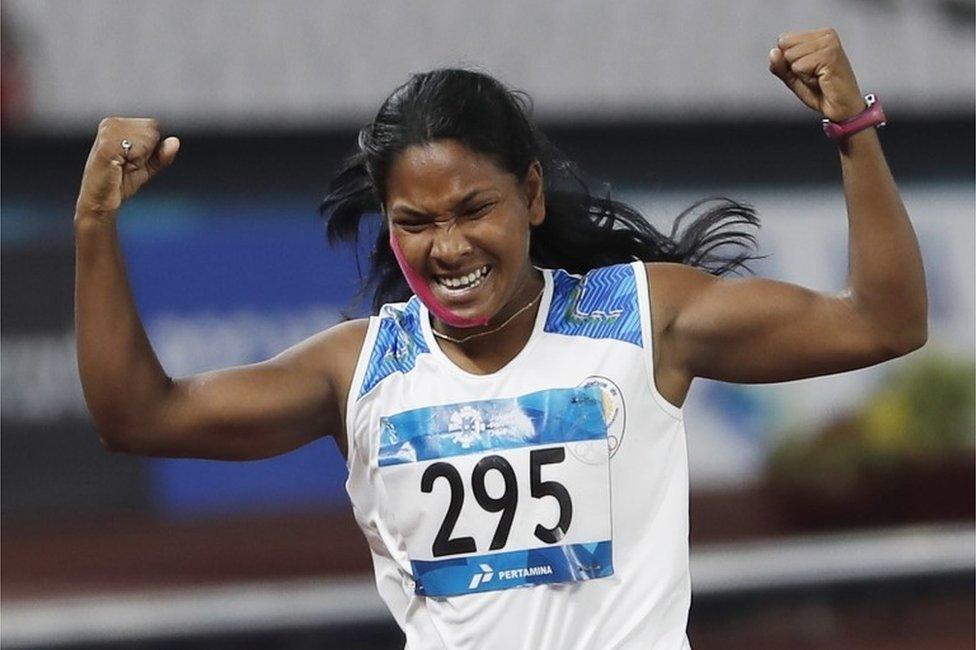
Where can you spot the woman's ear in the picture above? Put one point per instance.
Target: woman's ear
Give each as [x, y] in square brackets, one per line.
[535, 196]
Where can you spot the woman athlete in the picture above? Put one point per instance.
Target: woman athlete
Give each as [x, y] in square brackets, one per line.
[511, 417]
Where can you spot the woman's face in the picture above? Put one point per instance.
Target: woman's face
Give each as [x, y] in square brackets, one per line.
[463, 224]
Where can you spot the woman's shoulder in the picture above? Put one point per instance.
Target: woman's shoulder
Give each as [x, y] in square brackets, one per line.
[670, 286]
[667, 285]
[675, 279]
[333, 350]
[599, 270]
[617, 279]
[671, 278]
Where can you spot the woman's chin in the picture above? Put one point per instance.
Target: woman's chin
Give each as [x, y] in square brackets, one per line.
[464, 316]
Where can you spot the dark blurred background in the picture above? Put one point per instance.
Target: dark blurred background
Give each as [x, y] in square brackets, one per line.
[835, 512]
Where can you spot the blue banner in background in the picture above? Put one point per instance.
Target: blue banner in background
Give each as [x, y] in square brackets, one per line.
[310, 478]
[226, 287]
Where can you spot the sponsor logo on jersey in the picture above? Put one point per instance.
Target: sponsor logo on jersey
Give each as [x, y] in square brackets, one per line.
[480, 578]
[509, 574]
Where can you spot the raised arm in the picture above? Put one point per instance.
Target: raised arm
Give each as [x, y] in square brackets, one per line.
[759, 330]
[246, 412]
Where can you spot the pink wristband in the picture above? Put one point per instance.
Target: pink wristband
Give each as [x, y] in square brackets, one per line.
[873, 115]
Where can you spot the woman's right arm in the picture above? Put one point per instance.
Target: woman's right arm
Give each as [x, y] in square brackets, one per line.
[252, 411]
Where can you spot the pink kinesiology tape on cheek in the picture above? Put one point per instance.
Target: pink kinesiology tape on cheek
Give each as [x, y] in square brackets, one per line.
[419, 287]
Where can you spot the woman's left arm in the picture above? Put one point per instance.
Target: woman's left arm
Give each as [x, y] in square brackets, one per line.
[759, 330]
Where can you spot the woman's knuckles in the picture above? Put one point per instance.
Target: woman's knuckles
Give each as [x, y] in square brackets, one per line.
[141, 132]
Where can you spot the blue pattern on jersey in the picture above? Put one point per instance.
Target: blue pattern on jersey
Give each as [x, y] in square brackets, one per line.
[399, 341]
[600, 305]
[553, 416]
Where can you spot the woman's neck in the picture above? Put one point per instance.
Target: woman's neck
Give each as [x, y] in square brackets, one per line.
[490, 348]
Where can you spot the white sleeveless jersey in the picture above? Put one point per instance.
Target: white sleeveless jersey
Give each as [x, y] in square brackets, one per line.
[541, 506]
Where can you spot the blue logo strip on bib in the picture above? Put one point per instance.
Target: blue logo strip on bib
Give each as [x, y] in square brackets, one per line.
[496, 571]
[545, 417]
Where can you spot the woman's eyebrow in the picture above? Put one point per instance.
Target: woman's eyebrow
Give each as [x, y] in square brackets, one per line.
[409, 211]
[472, 195]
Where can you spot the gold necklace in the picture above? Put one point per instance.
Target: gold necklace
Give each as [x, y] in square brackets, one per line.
[508, 320]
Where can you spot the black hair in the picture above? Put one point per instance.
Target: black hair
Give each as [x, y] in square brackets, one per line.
[580, 232]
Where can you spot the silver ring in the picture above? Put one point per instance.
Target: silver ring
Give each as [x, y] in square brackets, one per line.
[126, 147]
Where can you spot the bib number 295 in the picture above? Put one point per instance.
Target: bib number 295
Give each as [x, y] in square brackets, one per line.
[506, 504]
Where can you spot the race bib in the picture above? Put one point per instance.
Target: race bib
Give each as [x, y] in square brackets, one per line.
[501, 493]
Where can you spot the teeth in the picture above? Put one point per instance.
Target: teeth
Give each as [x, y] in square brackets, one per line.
[465, 281]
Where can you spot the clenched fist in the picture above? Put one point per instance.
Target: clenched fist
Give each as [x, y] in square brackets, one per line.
[113, 173]
[813, 65]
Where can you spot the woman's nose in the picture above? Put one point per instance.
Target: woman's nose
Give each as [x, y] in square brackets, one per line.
[450, 244]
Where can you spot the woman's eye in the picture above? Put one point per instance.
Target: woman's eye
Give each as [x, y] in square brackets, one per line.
[481, 210]
[411, 226]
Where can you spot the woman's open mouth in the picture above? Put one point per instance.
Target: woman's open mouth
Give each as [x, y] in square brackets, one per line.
[458, 286]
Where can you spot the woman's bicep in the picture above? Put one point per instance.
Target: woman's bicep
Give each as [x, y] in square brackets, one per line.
[756, 330]
[258, 410]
